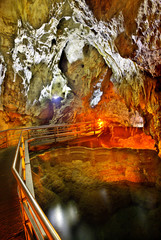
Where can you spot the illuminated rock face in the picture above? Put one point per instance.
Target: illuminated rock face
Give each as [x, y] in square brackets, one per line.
[68, 59]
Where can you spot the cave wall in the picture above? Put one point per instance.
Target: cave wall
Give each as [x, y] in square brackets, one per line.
[140, 41]
[13, 99]
[63, 61]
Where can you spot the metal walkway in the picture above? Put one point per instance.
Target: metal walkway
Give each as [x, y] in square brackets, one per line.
[11, 226]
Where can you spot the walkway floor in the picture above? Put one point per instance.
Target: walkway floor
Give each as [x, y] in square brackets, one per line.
[10, 220]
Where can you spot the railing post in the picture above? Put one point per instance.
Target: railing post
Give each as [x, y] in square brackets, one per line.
[22, 209]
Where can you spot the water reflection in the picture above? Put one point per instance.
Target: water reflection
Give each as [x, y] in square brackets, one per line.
[83, 232]
[67, 222]
[130, 223]
[64, 218]
[94, 201]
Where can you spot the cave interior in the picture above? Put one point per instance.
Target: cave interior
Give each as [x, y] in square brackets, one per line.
[72, 61]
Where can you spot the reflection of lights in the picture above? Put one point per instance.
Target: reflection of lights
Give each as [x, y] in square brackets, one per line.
[72, 213]
[100, 123]
[106, 197]
[103, 194]
[63, 218]
[56, 216]
[59, 215]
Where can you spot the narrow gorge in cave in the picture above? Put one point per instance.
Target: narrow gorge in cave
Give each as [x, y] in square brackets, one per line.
[82, 80]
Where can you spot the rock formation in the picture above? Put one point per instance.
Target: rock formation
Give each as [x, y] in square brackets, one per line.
[63, 61]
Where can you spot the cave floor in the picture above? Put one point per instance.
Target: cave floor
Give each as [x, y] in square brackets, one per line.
[11, 226]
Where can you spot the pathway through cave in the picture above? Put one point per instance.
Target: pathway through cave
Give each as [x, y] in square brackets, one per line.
[11, 226]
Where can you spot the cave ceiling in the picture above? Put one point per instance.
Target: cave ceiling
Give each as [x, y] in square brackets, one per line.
[63, 61]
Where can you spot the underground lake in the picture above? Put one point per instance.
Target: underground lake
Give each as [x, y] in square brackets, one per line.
[99, 193]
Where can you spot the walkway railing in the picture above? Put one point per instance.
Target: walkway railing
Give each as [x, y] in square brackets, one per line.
[10, 137]
[36, 224]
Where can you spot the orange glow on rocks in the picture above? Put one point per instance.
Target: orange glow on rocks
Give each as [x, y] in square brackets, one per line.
[126, 137]
[100, 123]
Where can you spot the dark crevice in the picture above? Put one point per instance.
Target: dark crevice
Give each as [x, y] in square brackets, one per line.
[63, 62]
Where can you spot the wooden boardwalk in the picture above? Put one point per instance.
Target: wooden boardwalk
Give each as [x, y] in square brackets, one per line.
[11, 226]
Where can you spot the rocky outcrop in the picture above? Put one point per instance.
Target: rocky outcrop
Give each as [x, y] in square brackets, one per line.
[14, 120]
[141, 36]
[147, 37]
[139, 41]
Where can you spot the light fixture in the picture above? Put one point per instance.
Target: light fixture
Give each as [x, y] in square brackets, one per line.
[100, 123]
[55, 97]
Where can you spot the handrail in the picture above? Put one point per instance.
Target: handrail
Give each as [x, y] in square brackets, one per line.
[28, 203]
[5, 140]
[45, 126]
[50, 231]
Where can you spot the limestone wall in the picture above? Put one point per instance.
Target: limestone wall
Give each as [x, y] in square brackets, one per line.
[64, 61]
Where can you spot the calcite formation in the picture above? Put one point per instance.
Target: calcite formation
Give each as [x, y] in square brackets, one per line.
[73, 60]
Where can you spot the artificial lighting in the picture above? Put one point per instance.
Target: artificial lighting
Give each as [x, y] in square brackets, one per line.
[100, 123]
[55, 97]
